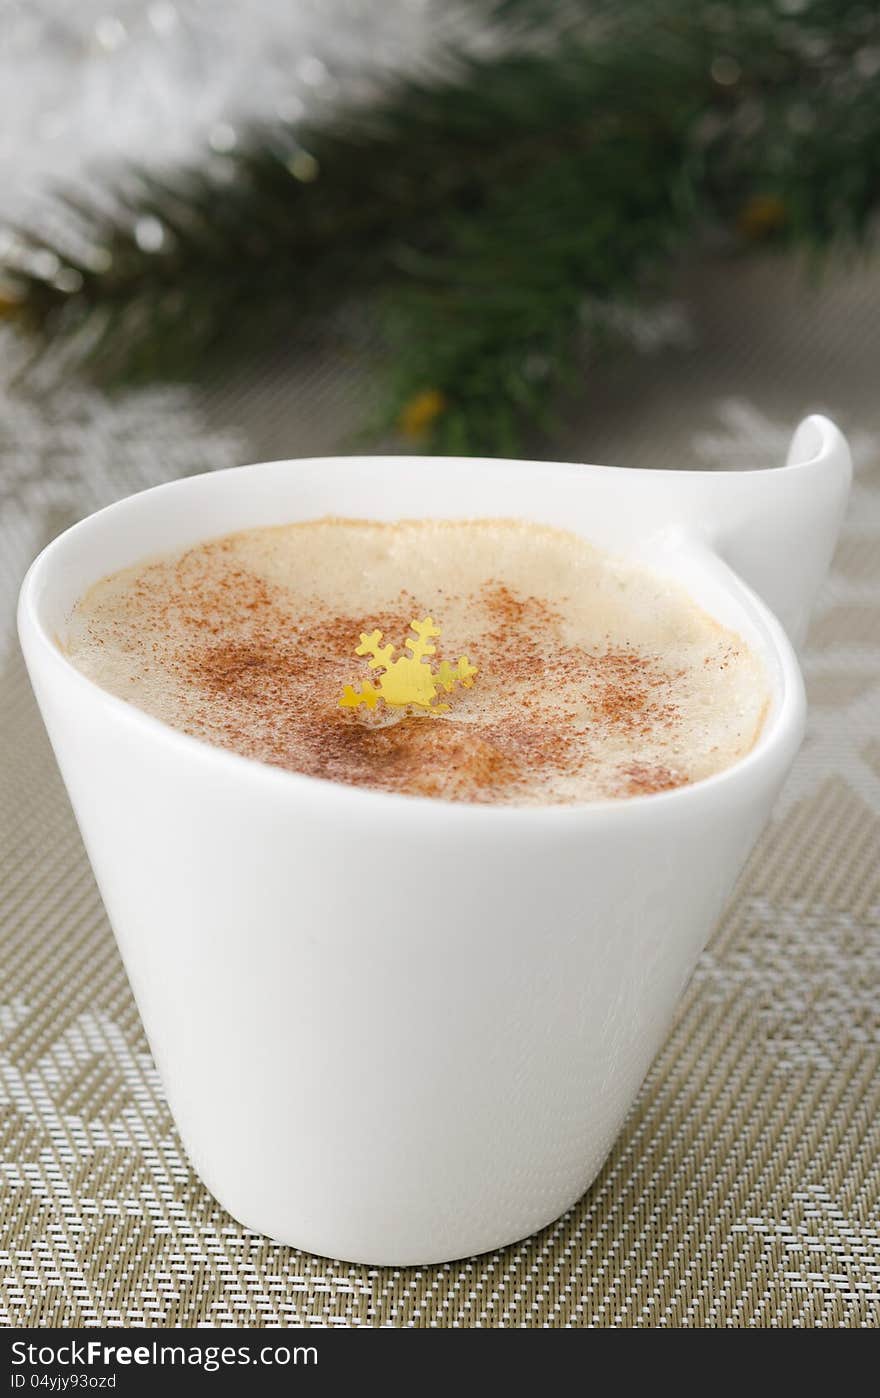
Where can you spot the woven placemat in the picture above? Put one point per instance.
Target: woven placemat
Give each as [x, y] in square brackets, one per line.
[744, 1189]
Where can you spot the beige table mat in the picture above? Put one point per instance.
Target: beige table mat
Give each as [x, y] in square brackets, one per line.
[745, 1187]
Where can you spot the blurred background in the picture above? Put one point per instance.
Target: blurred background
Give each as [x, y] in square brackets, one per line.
[639, 232]
[593, 230]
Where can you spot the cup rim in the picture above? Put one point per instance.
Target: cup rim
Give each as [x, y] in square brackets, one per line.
[770, 755]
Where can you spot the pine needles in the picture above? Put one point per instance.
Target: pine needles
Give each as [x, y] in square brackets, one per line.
[479, 218]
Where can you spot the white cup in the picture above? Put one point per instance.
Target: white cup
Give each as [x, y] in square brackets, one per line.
[393, 1029]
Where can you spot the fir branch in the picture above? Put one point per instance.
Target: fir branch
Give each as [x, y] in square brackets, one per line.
[479, 211]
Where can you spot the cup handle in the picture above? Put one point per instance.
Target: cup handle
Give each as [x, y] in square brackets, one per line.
[778, 528]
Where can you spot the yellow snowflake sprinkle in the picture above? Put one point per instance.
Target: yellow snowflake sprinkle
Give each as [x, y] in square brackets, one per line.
[406, 679]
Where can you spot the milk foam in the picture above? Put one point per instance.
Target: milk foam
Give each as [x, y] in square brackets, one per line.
[596, 679]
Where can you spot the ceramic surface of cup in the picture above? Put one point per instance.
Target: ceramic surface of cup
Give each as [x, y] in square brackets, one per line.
[391, 1029]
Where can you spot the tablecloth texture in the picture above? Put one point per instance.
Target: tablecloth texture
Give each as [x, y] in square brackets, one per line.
[744, 1189]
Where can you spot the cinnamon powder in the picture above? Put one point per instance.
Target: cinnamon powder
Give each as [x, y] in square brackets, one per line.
[235, 657]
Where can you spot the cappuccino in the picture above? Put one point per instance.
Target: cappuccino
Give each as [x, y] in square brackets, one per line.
[595, 679]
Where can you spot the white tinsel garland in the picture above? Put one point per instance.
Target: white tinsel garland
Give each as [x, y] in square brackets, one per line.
[106, 83]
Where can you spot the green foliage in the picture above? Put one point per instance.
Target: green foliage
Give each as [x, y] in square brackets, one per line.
[480, 217]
